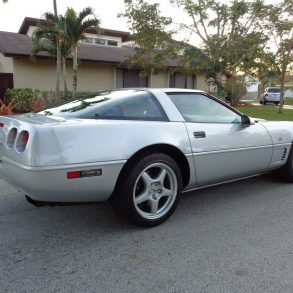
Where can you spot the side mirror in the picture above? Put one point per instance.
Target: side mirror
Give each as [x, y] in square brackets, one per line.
[245, 121]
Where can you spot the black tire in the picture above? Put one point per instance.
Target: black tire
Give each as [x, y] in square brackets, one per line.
[286, 172]
[276, 103]
[149, 193]
[264, 102]
[260, 101]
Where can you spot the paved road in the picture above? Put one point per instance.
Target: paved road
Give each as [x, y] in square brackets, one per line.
[232, 238]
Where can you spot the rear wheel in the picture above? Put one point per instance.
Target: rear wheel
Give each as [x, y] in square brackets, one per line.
[150, 193]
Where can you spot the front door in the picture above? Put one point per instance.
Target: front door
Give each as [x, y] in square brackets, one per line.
[223, 149]
[6, 82]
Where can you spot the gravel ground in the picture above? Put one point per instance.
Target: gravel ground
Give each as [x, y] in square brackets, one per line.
[229, 238]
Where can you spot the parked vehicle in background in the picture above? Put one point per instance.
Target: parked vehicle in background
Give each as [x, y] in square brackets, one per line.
[271, 95]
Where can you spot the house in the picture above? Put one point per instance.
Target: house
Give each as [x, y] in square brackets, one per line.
[101, 64]
[252, 85]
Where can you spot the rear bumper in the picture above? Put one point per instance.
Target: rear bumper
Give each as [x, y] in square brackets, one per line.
[272, 99]
[50, 184]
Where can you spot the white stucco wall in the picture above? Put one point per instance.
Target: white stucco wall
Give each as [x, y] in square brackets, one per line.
[289, 93]
[6, 64]
[201, 83]
[159, 80]
[41, 75]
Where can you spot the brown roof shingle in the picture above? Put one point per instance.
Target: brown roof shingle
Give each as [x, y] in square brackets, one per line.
[13, 45]
[19, 45]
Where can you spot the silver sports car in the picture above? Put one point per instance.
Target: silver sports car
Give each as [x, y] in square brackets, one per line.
[140, 148]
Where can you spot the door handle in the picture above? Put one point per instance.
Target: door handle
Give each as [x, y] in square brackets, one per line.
[199, 134]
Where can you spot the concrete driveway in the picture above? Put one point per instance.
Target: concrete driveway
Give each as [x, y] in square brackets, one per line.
[229, 238]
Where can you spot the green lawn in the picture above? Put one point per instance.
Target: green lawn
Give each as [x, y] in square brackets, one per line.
[267, 113]
[289, 101]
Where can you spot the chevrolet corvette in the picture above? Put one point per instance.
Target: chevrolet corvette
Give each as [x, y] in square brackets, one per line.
[138, 148]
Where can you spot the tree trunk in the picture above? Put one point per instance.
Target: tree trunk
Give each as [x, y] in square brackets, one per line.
[74, 76]
[283, 75]
[270, 81]
[233, 93]
[64, 76]
[58, 62]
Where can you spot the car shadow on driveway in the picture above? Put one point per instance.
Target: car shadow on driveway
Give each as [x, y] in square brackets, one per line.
[102, 217]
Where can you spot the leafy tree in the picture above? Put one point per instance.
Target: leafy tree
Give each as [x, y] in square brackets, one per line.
[268, 71]
[279, 25]
[154, 44]
[76, 25]
[230, 34]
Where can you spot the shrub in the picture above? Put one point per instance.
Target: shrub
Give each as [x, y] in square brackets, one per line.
[30, 100]
[37, 105]
[22, 98]
[7, 109]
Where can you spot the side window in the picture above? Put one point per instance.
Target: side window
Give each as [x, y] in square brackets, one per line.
[202, 109]
[139, 106]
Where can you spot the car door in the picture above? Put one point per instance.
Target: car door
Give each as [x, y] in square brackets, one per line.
[222, 147]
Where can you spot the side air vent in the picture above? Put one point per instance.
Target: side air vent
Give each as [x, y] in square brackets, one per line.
[284, 154]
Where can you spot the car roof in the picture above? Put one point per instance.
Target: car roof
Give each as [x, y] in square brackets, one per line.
[175, 90]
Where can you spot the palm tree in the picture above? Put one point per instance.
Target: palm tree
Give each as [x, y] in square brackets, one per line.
[76, 25]
[51, 31]
[58, 57]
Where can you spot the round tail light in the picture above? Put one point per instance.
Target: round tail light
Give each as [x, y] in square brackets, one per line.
[11, 137]
[22, 141]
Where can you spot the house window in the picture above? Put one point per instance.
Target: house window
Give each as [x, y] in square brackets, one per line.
[130, 78]
[112, 43]
[180, 80]
[100, 42]
[87, 40]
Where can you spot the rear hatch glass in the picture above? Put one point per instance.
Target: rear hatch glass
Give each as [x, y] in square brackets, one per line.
[274, 90]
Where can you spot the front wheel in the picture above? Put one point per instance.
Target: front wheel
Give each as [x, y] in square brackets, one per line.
[151, 191]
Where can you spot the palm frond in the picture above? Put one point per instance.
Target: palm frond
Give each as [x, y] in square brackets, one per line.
[89, 23]
[84, 14]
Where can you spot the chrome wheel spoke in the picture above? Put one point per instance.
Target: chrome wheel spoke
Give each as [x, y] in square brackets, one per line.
[167, 192]
[154, 206]
[142, 197]
[161, 176]
[147, 179]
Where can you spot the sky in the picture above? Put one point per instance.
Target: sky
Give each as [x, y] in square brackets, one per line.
[13, 12]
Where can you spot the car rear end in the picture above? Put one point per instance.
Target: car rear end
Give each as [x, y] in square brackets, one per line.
[272, 95]
[32, 160]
